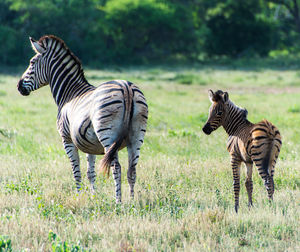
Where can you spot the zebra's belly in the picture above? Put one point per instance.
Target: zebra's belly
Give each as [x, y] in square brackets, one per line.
[237, 147]
[86, 140]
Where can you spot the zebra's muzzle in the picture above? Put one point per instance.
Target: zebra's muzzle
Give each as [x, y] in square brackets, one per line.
[22, 90]
[207, 129]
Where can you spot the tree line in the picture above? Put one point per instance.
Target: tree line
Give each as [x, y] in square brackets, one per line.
[145, 31]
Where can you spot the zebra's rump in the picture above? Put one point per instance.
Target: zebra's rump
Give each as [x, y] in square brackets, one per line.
[94, 120]
[264, 132]
[265, 145]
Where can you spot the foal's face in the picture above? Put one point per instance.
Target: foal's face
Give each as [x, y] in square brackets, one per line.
[216, 111]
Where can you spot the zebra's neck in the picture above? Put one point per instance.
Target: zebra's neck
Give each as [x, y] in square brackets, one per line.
[235, 120]
[66, 78]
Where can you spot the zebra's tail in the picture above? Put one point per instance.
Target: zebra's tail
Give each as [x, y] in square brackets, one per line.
[110, 154]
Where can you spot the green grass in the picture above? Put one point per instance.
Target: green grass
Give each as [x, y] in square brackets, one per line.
[184, 195]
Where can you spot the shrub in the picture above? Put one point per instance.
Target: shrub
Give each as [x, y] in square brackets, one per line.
[235, 30]
[10, 47]
[5, 244]
[147, 29]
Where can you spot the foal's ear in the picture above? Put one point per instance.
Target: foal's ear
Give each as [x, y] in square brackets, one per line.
[36, 46]
[211, 95]
[226, 97]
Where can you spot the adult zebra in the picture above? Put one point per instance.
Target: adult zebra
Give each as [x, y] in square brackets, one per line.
[250, 143]
[94, 120]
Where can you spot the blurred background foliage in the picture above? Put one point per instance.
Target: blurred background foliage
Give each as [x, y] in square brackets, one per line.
[152, 31]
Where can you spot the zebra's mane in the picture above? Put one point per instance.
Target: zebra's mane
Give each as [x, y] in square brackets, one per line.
[218, 96]
[44, 40]
[242, 111]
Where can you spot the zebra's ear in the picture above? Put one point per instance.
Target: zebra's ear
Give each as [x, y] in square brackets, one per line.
[226, 97]
[36, 46]
[210, 95]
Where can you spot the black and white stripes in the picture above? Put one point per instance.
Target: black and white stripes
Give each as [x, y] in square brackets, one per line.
[94, 120]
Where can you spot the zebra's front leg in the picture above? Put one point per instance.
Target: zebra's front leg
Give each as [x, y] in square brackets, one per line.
[72, 153]
[249, 183]
[236, 164]
[91, 170]
[116, 170]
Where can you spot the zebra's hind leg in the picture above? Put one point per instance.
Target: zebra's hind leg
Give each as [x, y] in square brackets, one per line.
[269, 184]
[249, 183]
[268, 179]
[116, 170]
[133, 157]
[135, 141]
[137, 131]
[91, 170]
[72, 153]
[236, 164]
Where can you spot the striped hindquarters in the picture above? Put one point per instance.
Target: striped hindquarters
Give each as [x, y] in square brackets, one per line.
[265, 147]
[114, 107]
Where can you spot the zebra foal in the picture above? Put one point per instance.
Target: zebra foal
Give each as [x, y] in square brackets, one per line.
[95, 120]
[250, 143]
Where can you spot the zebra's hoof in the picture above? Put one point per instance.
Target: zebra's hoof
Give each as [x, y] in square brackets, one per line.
[236, 208]
[250, 205]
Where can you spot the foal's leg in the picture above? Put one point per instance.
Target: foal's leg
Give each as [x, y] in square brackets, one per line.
[267, 178]
[269, 183]
[72, 153]
[236, 164]
[91, 170]
[249, 183]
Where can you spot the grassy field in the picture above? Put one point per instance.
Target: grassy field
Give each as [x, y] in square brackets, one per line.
[184, 193]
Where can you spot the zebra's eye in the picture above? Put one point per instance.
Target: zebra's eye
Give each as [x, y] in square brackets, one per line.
[219, 113]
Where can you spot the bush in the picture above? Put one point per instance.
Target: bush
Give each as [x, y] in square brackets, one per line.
[147, 29]
[5, 244]
[10, 46]
[154, 31]
[235, 30]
